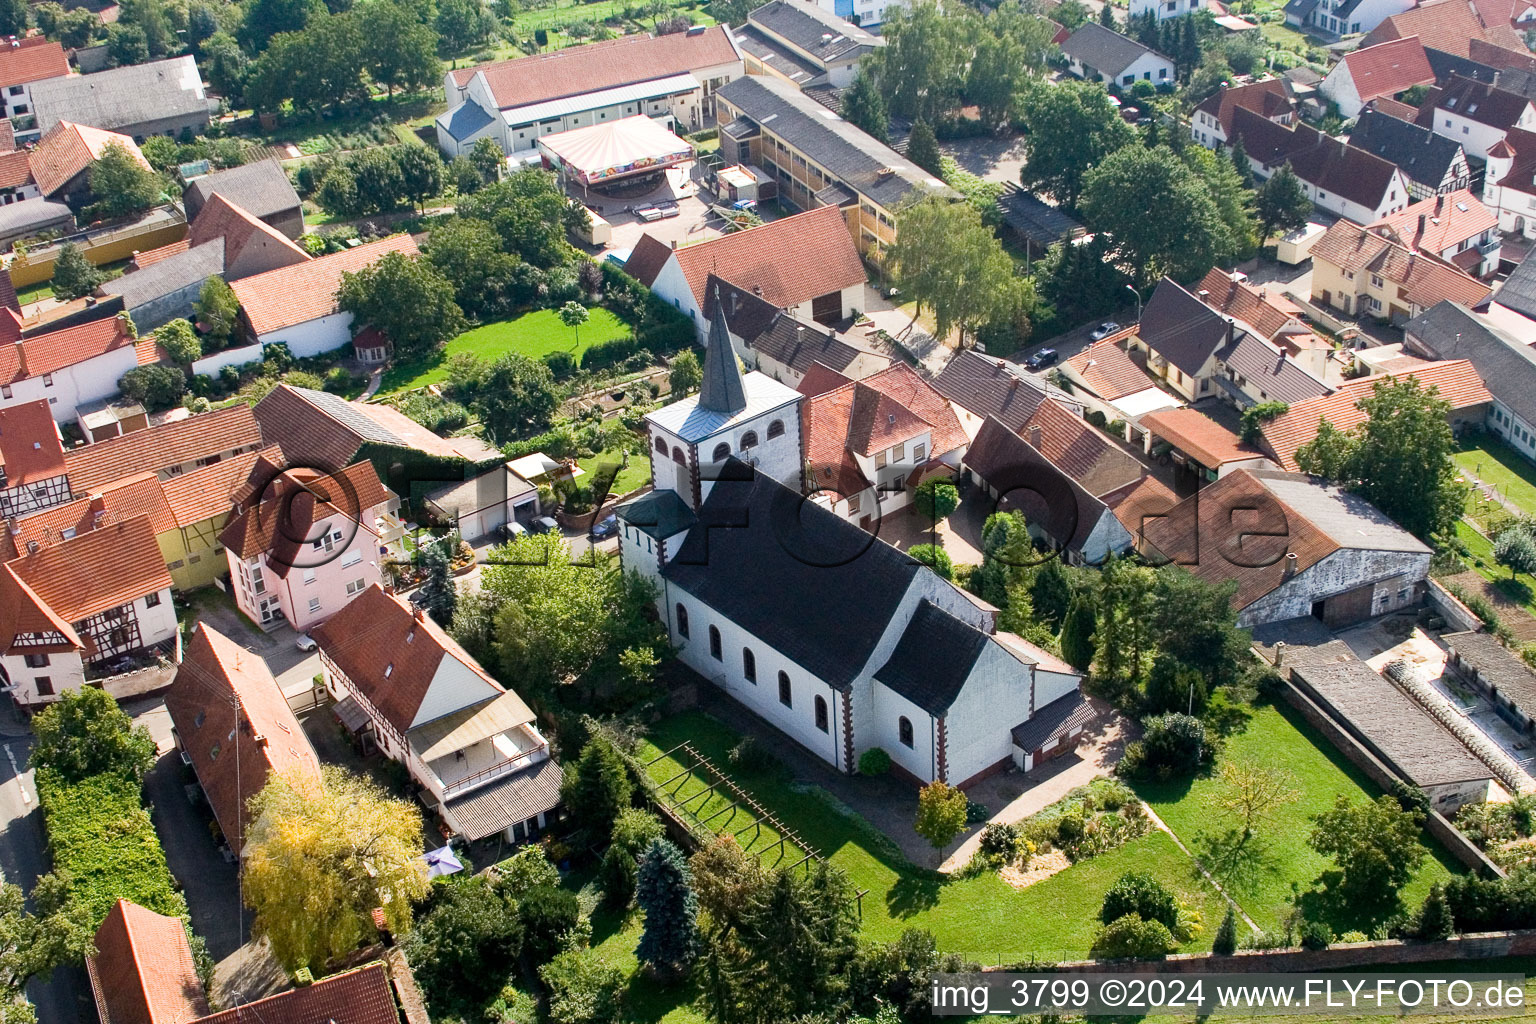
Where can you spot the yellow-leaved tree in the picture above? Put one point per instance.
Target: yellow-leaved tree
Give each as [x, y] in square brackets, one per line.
[322, 855]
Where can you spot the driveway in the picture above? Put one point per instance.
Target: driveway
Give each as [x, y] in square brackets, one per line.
[1013, 796]
[959, 535]
[210, 883]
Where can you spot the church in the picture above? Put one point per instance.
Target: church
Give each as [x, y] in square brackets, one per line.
[833, 636]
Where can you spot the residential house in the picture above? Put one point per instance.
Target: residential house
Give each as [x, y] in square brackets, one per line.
[304, 543]
[1338, 177]
[819, 159]
[1099, 54]
[803, 44]
[32, 467]
[1272, 99]
[854, 645]
[1509, 182]
[296, 304]
[1455, 227]
[805, 265]
[1270, 314]
[1385, 69]
[1514, 304]
[1343, 17]
[470, 743]
[224, 700]
[672, 78]
[869, 443]
[482, 506]
[1456, 381]
[1505, 362]
[1108, 381]
[1451, 25]
[1433, 164]
[1518, 14]
[867, 13]
[1475, 114]
[167, 449]
[261, 189]
[108, 586]
[1199, 352]
[783, 345]
[186, 512]
[317, 428]
[1162, 10]
[163, 97]
[1389, 723]
[25, 61]
[979, 386]
[61, 162]
[1197, 444]
[1294, 546]
[1361, 273]
[70, 367]
[17, 184]
[1058, 509]
[142, 972]
[224, 241]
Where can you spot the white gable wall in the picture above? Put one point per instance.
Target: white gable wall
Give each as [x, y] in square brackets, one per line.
[454, 686]
[886, 710]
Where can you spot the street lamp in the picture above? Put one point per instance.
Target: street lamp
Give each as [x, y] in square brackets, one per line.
[1136, 293]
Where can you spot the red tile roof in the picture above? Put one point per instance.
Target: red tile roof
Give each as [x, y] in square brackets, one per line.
[246, 239]
[361, 996]
[156, 449]
[1521, 175]
[143, 972]
[367, 641]
[68, 150]
[307, 291]
[20, 65]
[109, 566]
[1080, 450]
[1451, 24]
[1428, 279]
[149, 257]
[30, 448]
[221, 689]
[1449, 219]
[604, 65]
[1108, 371]
[209, 492]
[1253, 306]
[792, 260]
[22, 611]
[1389, 68]
[820, 379]
[1196, 434]
[1138, 504]
[15, 169]
[1455, 381]
[1500, 55]
[291, 503]
[139, 495]
[1269, 99]
[68, 346]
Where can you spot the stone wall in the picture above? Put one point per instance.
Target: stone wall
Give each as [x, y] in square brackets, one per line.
[1458, 617]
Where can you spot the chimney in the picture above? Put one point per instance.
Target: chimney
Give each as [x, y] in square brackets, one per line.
[261, 741]
[1034, 436]
[1420, 235]
[735, 300]
[419, 612]
[1290, 564]
[1205, 296]
[21, 357]
[1279, 652]
[674, 243]
[98, 510]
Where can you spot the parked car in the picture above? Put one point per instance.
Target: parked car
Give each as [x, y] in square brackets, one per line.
[1104, 330]
[605, 527]
[305, 642]
[543, 524]
[1040, 360]
[515, 530]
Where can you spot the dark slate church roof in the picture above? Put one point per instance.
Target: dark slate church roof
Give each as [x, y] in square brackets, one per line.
[933, 659]
[797, 576]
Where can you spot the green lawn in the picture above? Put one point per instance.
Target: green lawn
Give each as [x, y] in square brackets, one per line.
[534, 334]
[983, 918]
[636, 474]
[1262, 876]
[1493, 462]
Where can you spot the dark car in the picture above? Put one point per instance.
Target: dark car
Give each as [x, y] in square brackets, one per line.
[1040, 360]
[543, 524]
[605, 527]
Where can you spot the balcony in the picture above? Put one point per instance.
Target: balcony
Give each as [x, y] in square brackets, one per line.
[484, 761]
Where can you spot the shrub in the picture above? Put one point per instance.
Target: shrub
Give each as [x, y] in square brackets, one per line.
[1173, 745]
[158, 387]
[935, 557]
[936, 498]
[547, 913]
[999, 841]
[583, 988]
[750, 755]
[1130, 936]
[458, 946]
[1315, 935]
[1434, 920]
[1225, 942]
[1142, 895]
[338, 380]
[561, 363]
[874, 762]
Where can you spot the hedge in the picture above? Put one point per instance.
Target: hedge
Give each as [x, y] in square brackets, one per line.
[100, 833]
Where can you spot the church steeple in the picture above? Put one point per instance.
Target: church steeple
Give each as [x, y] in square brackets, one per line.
[722, 390]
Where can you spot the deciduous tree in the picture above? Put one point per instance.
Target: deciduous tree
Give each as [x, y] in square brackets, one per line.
[1070, 128]
[218, 313]
[323, 855]
[516, 397]
[468, 253]
[684, 375]
[407, 298]
[1252, 792]
[180, 342]
[1375, 845]
[121, 183]
[1281, 203]
[950, 261]
[940, 814]
[462, 945]
[85, 733]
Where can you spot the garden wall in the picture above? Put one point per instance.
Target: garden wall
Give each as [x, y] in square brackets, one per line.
[210, 365]
[107, 245]
[1459, 846]
[1458, 617]
[1349, 954]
